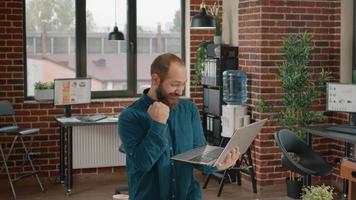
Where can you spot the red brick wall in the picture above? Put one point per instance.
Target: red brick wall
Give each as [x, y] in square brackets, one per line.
[32, 114]
[263, 25]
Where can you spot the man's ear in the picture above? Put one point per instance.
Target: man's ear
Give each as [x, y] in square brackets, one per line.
[155, 79]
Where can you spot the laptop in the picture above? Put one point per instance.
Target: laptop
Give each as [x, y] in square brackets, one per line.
[213, 155]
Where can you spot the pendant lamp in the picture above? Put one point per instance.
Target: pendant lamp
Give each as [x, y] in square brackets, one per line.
[116, 34]
[202, 20]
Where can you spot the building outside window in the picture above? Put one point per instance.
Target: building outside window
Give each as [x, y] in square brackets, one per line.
[51, 40]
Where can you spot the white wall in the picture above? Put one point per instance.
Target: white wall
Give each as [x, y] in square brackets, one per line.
[230, 25]
[346, 41]
[187, 46]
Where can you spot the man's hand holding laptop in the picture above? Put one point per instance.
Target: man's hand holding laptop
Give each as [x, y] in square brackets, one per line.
[230, 159]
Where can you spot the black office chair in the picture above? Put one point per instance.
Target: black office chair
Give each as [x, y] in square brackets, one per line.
[121, 189]
[6, 110]
[308, 162]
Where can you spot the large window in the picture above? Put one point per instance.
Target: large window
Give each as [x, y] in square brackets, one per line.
[68, 38]
[50, 41]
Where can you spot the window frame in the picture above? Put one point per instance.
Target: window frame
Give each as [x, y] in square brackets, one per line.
[81, 48]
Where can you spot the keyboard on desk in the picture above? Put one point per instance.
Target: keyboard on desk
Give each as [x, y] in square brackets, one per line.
[343, 129]
[207, 157]
[92, 118]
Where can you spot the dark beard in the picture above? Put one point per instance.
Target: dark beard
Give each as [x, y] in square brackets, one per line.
[164, 98]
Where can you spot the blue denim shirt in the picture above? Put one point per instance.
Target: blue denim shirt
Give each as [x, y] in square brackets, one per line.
[152, 175]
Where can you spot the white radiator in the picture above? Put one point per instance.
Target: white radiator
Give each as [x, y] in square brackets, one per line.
[96, 146]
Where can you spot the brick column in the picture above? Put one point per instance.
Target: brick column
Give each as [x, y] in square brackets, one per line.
[263, 25]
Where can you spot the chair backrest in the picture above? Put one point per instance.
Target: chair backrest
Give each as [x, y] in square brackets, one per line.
[122, 149]
[6, 108]
[288, 141]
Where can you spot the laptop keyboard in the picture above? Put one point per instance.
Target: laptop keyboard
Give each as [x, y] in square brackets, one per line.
[92, 118]
[207, 157]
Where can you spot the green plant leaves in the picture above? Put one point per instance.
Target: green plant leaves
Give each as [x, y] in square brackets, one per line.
[200, 55]
[44, 85]
[300, 90]
[318, 193]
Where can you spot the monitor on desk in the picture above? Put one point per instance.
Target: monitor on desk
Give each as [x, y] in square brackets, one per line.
[341, 97]
[71, 91]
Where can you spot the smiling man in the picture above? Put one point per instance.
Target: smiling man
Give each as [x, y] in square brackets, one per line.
[158, 126]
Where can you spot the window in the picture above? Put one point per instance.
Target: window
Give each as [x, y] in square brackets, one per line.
[155, 30]
[68, 38]
[48, 38]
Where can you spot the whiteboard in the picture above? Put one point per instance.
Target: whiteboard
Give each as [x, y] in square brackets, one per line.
[72, 91]
[341, 97]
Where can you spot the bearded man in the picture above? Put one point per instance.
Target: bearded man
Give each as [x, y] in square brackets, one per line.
[158, 126]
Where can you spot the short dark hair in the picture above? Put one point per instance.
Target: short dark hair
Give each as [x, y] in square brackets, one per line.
[161, 64]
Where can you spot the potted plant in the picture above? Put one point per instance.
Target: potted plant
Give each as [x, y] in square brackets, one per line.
[214, 11]
[44, 91]
[294, 185]
[294, 181]
[300, 92]
[200, 55]
[318, 192]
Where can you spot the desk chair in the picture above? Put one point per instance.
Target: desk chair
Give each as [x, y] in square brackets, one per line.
[7, 110]
[308, 163]
[121, 189]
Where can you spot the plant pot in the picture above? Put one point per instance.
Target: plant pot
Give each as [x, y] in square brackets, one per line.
[217, 39]
[294, 188]
[44, 95]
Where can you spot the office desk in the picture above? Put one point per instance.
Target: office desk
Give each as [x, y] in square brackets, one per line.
[66, 126]
[323, 132]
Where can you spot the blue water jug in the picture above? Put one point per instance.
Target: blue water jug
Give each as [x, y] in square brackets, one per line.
[234, 87]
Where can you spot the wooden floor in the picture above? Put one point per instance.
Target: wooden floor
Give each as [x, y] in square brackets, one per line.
[101, 187]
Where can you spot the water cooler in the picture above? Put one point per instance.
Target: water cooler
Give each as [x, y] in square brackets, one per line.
[234, 114]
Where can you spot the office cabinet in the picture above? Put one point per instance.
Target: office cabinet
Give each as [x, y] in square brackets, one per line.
[219, 58]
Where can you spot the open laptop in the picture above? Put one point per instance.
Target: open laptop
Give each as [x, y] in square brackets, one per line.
[212, 155]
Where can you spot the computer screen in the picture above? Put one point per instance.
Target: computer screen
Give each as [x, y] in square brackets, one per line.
[72, 91]
[341, 97]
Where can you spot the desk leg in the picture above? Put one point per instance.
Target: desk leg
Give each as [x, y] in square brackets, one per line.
[307, 178]
[346, 182]
[69, 161]
[61, 155]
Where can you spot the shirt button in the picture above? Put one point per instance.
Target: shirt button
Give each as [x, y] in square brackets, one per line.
[173, 179]
[173, 196]
[172, 163]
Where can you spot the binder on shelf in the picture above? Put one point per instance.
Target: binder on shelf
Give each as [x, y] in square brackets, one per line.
[219, 58]
[211, 101]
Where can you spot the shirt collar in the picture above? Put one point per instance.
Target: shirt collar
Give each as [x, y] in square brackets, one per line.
[148, 100]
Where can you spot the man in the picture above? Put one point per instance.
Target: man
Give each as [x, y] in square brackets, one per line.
[158, 126]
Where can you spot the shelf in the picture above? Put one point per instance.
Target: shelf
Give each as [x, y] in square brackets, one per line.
[219, 59]
[212, 115]
[212, 87]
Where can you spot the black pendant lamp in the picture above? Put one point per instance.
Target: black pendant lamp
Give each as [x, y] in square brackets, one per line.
[202, 20]
[116, 34]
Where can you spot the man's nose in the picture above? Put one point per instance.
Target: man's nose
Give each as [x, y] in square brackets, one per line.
[179, 91]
